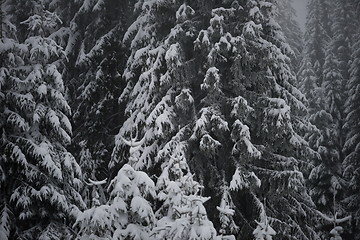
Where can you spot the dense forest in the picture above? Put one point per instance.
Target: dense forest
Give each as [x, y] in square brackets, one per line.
[179, 119]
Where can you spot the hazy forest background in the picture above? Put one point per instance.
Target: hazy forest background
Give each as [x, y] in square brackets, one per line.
[179, 119]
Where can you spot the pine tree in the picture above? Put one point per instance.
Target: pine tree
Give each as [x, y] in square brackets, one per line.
[351, 146]
[226, 212]
[258, 115]
[218, 89]
[317, 35]
[40, 178]
[285, 16]
[127, 215]
[335, 78]
[96, 61]
[326, 179]
[327, 174]
[263, 230]
[182, 214]
[145, 78]
[94, 222]
[155, 98]
[308, 85]
[9, 49]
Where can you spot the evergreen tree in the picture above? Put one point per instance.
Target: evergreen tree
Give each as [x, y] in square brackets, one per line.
[351, 146]
[145, 78]
[202, 95]
[127, 215]
[285, 16]
[326, 176]
[218, 89]
[96, 61]
[327, 181]
[226, 212]
[258, 123]
[335, 78]
[317, 35]
[308, 85]
[153, 102]
[40, 178]
[263, 230]
[182, 214]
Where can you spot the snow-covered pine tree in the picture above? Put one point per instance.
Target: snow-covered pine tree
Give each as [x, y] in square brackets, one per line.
[159, 104]
[220, 88]
[335, 78]
[247, 58]
[285, 16]
[352, 143]
[132, 189]
[182, 214]
[10, 50]
[335, 228]
[94, 222]
[343, 28]
[308, 85]
[127, 215]
[150, 95]
[317, 35]
[226, 212]
[327, 175]
[96, 60]
[263, 230]
[40, 179]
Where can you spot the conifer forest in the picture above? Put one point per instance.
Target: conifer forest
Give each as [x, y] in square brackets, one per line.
[179, 120]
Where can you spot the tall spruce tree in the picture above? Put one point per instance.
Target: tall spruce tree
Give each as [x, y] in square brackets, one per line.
[335, 77]
[213, 81]
[96, 61]
[331, 86]
[285, 16]
[326, 177]
[351, 146]
[251, 90]
[155, 97]
[40, 179]
[317, 35]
